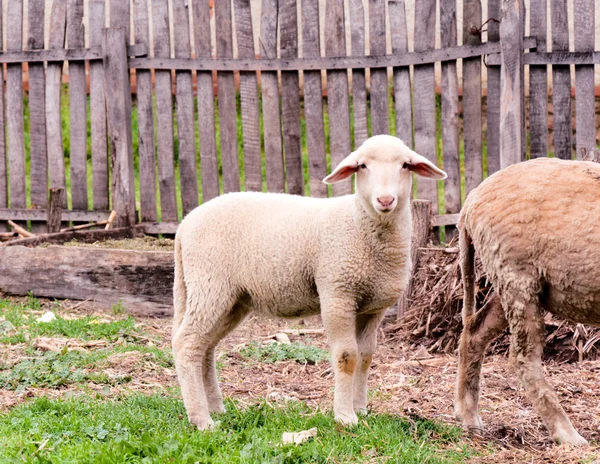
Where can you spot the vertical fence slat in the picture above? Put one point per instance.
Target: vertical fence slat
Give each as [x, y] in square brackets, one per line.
[206, 109]
[37, 111]
[313, 101]
[337, 92]
[77, 108]
[472, 98]
[584, 77]
[185, 110]
[493, 94]
[359, 82]
[3, 167]
[379, 78]
[402, 91]
[270, 98]
[164, 113]
[248, 97]
[141, 30]
[424, 81]
[14, 107]
[538, 85]
[97, 12]
[227, 104]
[561, 82]
[119, 15]
[290, 98]
[56, 156]
[450, 141]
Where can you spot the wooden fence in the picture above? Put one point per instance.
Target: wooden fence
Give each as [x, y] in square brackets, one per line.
[300, 115]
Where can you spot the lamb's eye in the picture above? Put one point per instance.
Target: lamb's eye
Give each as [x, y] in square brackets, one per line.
[405, 166]
[362, 166]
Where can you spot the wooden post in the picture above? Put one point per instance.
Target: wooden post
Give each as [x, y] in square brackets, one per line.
[511, 111]
[54, 209]
[118, 96]
[421, 231]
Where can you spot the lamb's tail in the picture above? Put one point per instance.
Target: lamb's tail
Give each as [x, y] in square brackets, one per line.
[467, 267]
[179, 289]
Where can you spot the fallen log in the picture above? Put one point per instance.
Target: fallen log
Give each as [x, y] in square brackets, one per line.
[86, 236]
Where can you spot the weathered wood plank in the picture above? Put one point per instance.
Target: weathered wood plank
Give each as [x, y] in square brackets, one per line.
[14, 107]
[313, 101]
[98, 110]
[144, 96]
[206, 110]
[472, 119]
[538, 85]
[188, 173]
[84, 236]
[290, 98]
[77, 108]
[37, 111]
[142, 281]
[511, 110]
[120, 16]
[270, 97]
[359, 83]
[56, 162]
[584, 77]
[337, 92]
[23, 214]
[163, 228]
[402, 90]
[54, 215]
[118, 92]
[379, 79]
[493, 94]
[424, 81]
[450, 140]
[249, 97]
[227, 104]
[65, 54]
[164, 113]
[561, 83]
[3, 166]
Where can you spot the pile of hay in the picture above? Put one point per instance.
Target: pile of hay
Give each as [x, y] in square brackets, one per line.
[433, 317]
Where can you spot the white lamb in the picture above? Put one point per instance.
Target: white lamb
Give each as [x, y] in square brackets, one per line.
[347, 258]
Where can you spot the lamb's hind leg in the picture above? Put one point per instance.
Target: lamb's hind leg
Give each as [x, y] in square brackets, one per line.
[527, 337]
[479, 330]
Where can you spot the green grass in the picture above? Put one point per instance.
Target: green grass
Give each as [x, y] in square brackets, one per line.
[275, 352]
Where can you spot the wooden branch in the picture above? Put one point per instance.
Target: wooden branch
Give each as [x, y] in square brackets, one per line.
[84, 226]
[62, 54]
[6, 236]
[111, 219]
[20, 230]
[23, 214]
[85, 236]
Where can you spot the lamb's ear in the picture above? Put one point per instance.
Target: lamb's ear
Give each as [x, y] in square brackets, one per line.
[347, 167]
[423, 167]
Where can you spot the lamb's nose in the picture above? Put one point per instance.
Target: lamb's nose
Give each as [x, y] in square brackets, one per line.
[386, 201]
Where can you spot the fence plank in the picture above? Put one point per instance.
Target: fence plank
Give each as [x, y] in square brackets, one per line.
[472, 98]
[313, 101]
[97, 13]
[37, 111]
[511, 114]
[185, 110]
[290, 98]
[227, 104]
[3, 167]
[14, 107]
[561, 83]
[77, 108]
[164, 113]
[379, 78]
[424, 81]
[206, 109]
[450, 141]
[402, 91]
[359, 82]
[270, 98]
[56, 163]
[337, 92]
[493, 94]
[584, 77]
[249, 97]
[119, 16]
[538, 85]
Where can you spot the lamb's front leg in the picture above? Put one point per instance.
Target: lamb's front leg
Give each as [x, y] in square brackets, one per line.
[339, 320]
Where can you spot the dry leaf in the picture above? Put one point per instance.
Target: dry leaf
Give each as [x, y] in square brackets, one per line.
[298, 437]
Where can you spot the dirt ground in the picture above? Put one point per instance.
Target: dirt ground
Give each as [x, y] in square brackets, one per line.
[404, 380]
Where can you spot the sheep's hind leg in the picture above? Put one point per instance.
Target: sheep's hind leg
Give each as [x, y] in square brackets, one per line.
[366, 337]
[479, 330]
[527, 337]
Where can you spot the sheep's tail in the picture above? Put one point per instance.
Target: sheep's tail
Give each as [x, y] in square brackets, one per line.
[179, 289]
[467, 267]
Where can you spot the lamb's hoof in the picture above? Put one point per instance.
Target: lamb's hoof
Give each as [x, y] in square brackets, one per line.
[570, 437]
[361, 411]
[346, 419]
[472, 422]
[203, 424]
[217, 408]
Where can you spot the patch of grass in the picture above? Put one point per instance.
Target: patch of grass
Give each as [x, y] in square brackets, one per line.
[154, 429]
[275, 352]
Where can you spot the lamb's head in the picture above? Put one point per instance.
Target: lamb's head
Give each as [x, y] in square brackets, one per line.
[383, 166]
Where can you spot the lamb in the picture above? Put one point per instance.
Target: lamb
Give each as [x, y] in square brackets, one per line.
[347, 258]
[535, 228]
